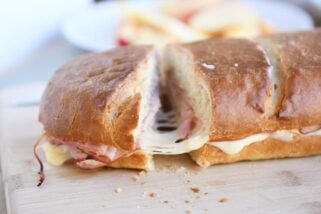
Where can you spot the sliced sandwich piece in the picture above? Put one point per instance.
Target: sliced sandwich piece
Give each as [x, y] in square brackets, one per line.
[102, 110]
[257, 99]
[94, 105]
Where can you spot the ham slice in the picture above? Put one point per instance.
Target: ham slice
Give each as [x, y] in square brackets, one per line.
[185, 111]
[90, 156]
[309, 129]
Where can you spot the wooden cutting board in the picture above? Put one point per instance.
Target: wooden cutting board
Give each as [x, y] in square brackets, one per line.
[176, 186]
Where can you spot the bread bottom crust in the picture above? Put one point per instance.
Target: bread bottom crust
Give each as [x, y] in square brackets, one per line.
[138, 160]
[267, 149]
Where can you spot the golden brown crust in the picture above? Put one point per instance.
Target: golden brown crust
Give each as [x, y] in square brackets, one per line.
[139, 160]
[299, 61]
[267, 149]
[236, 71]
[85, 101]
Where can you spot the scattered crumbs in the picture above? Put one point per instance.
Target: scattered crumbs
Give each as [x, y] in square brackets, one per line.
[205, 193]
[165, 202]
[206, 210]
[180, 170]
[141, 173]
[143, 183]
[188, 212]
[236, 65]
[195, 189]
[188, 181]
[152, 194]
[223, 200]
[197, 197]
[118, 190]
[187, 201]
[208, 66]
[135, 178]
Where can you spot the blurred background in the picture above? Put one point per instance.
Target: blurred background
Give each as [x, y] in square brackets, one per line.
[37, 36]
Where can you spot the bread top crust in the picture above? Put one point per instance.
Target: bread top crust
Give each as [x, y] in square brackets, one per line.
[299, 59]
[237, 74]
[87, 99]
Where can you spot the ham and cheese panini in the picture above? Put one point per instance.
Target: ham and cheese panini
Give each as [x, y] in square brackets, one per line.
[233, 100]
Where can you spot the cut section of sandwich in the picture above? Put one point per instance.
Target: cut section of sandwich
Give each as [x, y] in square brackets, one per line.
[262, 96]
[102, 110]
[94, 104]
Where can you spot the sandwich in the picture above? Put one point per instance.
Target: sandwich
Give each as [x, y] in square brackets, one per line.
[256, 99]
[229, 100]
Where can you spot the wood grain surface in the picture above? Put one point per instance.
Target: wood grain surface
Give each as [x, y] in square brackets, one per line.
[176, 186]
[2, 198]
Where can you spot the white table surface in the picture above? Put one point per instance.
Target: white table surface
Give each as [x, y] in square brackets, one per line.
[39, 66]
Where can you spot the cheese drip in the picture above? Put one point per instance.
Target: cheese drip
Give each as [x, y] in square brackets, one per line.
[235, 146]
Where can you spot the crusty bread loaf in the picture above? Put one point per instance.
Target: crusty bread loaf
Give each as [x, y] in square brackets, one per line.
[234, 99]
[233, 74]
[297, 59]
[96, 99]
[255, 86]
[268, 149]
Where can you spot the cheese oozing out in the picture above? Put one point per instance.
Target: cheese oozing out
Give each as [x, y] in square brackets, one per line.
[56, 154]
[162, 143]
[236, 146]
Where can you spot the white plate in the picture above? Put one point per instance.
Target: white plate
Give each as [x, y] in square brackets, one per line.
[95, 28]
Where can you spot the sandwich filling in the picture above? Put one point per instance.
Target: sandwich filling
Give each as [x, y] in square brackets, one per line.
[87, 156]
[287, 136]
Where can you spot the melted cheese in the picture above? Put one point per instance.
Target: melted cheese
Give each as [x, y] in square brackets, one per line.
[56, 155]
[154, 142]
[235, 146]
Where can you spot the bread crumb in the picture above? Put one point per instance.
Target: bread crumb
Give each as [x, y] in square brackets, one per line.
[135, 178]
[180, 170]
[152, 194]
[205, 193]
[141, 173]
[165, 202]
[187, 201]
[195, 189]
[223, 200]
[197, 197]
[118, 190]
[188, 212]
[236, 65]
